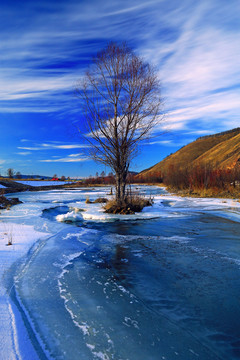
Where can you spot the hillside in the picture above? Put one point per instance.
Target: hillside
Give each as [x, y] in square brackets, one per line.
[221, 151]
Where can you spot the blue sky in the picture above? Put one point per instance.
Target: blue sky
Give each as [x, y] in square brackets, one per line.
[47, 45]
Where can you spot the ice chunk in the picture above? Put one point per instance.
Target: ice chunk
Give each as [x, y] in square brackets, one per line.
[70, 216]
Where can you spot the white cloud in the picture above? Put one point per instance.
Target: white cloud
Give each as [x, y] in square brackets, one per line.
[29, 148]
[200, 71]
[75, 155]
[66, 159]
[198, 132]
[24, 153]
[211, 111]
[160, 142]
[46, 146]
[70, 146]
[195, 45]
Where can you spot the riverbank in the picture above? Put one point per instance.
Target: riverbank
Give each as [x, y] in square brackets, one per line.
[233, 193]
[230, 193]
[6, 203]
[13, 336]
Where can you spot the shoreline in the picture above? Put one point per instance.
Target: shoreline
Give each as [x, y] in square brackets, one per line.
[208, 194]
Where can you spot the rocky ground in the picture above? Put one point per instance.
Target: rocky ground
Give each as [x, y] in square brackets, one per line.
[7, 203]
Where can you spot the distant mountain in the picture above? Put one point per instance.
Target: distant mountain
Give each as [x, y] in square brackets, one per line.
[22, 177]
[220, 151]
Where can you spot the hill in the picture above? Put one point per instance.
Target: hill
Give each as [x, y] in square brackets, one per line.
[220, 151]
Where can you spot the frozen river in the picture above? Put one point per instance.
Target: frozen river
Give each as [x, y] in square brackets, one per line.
[163, 284]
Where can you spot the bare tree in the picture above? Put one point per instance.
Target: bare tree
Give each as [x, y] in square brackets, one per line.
[18, 175]
[10, 173]
[120, 97]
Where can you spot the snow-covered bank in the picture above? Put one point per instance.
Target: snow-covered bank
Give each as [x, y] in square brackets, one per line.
[11, 331]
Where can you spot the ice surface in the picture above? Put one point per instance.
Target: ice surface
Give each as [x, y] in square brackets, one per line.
[2, 187]
[161, 284]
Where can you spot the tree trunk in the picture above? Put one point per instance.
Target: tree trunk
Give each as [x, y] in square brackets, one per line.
[120, 187]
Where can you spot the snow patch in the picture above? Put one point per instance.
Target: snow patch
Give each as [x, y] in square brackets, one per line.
[22, 237]
[70, 216]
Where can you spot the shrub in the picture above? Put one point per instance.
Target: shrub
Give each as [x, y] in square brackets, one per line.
[88, 201]
[100, 200]
[129, 206]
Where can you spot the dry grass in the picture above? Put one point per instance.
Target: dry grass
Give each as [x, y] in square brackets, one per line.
[100, 200]
[230, 193]
[129, 206]
[8, 232]
[4, 202]
[7, 203]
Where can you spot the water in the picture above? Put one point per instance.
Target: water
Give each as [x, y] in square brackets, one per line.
[164, 284]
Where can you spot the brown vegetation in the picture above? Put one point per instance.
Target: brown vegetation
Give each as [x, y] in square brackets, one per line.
[204, 181]
[7, 203]
[100, 200]
[221, 151]
[98, 180]
[130, 205]
[209, 166]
